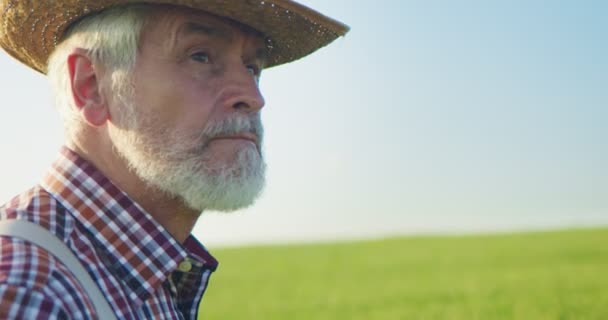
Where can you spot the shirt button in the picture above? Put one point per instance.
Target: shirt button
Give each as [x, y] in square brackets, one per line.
[185, 266]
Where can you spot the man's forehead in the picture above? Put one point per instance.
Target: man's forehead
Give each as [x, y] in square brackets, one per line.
[181, 22]
[187, 20]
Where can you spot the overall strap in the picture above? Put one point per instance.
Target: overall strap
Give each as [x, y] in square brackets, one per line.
[43, 238]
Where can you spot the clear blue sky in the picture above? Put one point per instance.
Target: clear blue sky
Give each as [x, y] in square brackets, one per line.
[430, 116]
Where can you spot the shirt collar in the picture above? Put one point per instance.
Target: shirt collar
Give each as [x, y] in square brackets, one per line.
[139, 250]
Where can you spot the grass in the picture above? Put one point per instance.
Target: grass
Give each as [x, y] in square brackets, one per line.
[546, 275]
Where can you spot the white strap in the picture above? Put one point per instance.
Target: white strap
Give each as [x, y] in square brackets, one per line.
[42, 237]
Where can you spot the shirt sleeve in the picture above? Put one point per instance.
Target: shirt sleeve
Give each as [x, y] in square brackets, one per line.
[25, 303]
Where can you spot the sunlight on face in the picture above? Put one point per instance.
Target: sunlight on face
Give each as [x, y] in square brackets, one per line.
[187, 116]
[180, 163]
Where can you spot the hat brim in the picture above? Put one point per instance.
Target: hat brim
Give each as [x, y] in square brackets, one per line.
[30, 30]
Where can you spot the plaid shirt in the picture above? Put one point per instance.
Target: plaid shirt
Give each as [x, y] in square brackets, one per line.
[143, 271]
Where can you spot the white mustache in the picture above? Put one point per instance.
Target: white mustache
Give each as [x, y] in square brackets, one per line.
[235, 125]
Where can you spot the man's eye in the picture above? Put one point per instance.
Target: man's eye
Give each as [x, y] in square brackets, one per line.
[200, 57]
[254, 70]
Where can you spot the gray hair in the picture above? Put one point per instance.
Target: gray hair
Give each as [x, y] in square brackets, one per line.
[111, 38]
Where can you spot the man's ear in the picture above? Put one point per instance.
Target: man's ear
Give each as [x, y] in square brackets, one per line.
[86, 89]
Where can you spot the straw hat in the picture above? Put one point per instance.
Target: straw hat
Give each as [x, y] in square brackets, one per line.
[30, 29]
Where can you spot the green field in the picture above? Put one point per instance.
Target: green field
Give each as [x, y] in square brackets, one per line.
[545, 275]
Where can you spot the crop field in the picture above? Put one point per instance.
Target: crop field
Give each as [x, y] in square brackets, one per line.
[541, 275]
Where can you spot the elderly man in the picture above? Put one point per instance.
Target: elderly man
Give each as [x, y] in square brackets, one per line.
[161, 108]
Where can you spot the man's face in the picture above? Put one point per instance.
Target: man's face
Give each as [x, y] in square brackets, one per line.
[189, 123]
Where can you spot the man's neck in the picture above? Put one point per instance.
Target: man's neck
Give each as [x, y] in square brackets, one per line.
[169, 211]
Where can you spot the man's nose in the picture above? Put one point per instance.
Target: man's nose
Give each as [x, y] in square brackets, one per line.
[246, 96]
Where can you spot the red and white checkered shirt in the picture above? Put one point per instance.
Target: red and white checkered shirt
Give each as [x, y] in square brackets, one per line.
[143, 271]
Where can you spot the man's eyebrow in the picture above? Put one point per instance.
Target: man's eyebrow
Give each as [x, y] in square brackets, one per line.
[262, 54]
[198, 28]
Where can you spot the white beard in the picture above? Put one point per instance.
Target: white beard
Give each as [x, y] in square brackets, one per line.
[178, 163]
